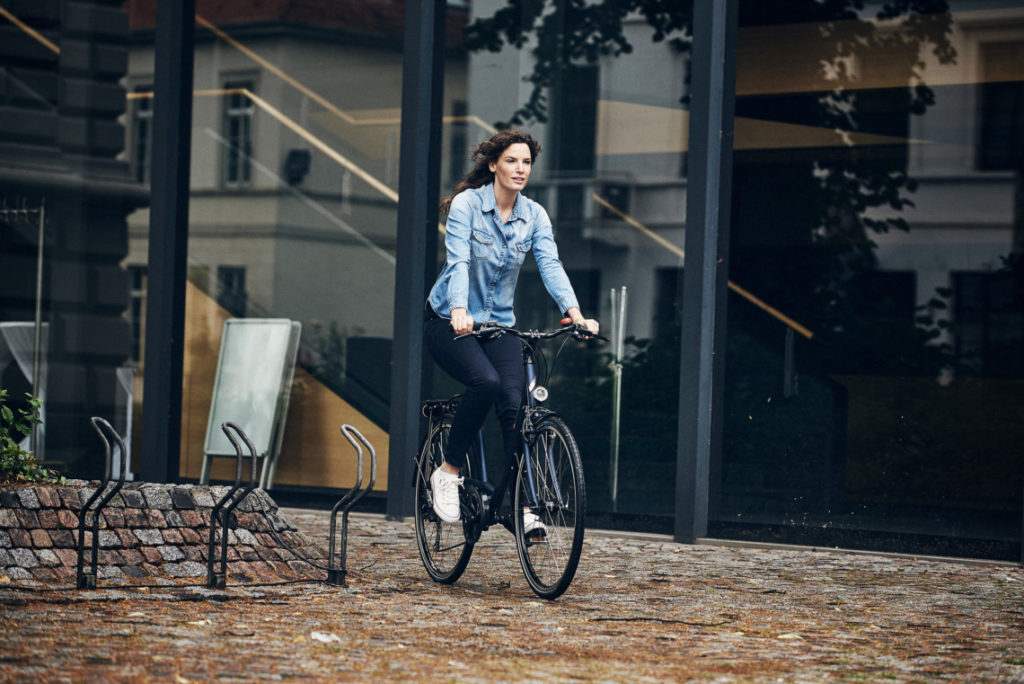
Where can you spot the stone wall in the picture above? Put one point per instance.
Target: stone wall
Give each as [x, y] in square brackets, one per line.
[147, 531]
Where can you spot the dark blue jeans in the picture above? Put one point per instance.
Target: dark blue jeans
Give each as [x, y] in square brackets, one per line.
[491, 370]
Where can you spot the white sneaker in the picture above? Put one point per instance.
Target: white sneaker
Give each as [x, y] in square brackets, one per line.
[446, 495]
[533, 526]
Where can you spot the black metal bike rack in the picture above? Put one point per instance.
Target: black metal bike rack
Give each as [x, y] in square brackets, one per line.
[87, 579]
[336, 572]
[227, 503]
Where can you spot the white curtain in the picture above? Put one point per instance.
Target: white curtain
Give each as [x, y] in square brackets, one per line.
[17, 341]
[125, 390]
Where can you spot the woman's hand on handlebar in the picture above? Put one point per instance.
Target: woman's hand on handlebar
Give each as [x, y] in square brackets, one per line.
[588, 325]
[592, 326]
[462, 322]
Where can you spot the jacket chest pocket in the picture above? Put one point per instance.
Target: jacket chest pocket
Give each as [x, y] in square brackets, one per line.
[482, 244]
[521, 250]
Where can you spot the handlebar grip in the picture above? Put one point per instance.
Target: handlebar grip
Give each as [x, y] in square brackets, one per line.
[486, 326]
[582, 332]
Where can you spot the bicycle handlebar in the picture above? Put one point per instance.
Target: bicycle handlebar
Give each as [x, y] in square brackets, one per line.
[579, 332]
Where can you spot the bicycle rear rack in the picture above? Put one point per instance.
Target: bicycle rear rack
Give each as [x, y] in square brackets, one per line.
[336, 572]
[84, 579]
[227, 504]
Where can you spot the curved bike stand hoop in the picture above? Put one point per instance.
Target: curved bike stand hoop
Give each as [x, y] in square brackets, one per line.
[227, 503]
[336, 572]
[87, 579]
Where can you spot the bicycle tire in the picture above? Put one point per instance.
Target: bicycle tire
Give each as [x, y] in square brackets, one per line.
[549, 482]
[443, 547]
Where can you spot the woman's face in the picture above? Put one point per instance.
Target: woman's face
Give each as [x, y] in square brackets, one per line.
[512, 169]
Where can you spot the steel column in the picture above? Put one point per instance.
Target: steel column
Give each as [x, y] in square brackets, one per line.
[168, 240]
[419, 193]
[705, 274]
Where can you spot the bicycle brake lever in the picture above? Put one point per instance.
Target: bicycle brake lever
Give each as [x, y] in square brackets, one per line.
[581, 332]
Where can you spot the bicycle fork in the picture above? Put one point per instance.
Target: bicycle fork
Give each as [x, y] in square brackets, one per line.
[535, 393]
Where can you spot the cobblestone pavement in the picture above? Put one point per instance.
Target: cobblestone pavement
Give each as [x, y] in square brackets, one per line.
[641, 609]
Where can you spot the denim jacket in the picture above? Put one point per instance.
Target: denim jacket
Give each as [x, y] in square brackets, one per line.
[484, 257]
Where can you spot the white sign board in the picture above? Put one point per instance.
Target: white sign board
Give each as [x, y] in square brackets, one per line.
[253, 384]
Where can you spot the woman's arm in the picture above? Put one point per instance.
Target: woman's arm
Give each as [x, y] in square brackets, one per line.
[458, 229]
[545, 252]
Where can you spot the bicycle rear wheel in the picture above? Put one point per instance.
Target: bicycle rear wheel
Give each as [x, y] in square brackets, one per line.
[443, 547]
[549, 483]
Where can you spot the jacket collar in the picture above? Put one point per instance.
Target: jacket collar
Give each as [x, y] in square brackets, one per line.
[488, 203]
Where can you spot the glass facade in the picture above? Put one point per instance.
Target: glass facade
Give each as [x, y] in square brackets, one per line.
[876, 202]
[872, 394]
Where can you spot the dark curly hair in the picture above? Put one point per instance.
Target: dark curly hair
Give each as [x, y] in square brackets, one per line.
[485, 153]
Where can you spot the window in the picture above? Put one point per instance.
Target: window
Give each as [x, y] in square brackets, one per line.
[143, 134]
[459, 143]
[346, 192]
[231, 289]
[989, 322]
[885, 298]
[617, 195]
[667, 302]
[238, 115]
[137, 309]
[573, 136]
[1001, 145]
[885, 110]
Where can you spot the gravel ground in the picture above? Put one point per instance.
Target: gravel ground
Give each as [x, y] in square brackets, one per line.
[640, 609]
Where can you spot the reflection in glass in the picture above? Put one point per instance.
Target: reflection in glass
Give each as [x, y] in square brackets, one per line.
[869, 204]
[293, 211]
[604, 91]
[62, 136]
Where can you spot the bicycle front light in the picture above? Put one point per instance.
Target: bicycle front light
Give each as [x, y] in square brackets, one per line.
[540, 393]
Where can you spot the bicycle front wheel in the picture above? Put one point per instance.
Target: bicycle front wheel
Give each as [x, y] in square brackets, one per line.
[443, 547]
[549, 485]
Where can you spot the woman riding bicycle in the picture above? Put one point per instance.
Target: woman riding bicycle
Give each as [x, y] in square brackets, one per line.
[490, 228]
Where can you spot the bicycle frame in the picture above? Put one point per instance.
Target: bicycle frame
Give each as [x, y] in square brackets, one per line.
[530, 413]
[548, 487]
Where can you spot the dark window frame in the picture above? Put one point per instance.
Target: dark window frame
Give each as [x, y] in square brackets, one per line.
[985, 319]
[237, 121]
[231, 292]
[1000, 143]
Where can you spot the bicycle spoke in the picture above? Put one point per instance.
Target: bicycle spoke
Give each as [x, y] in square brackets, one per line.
[443, 547]
[550, 486]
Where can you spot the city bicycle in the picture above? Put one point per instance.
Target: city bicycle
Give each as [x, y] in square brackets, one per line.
[546, 479]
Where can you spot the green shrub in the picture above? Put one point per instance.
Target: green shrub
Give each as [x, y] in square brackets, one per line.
[16, 464]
